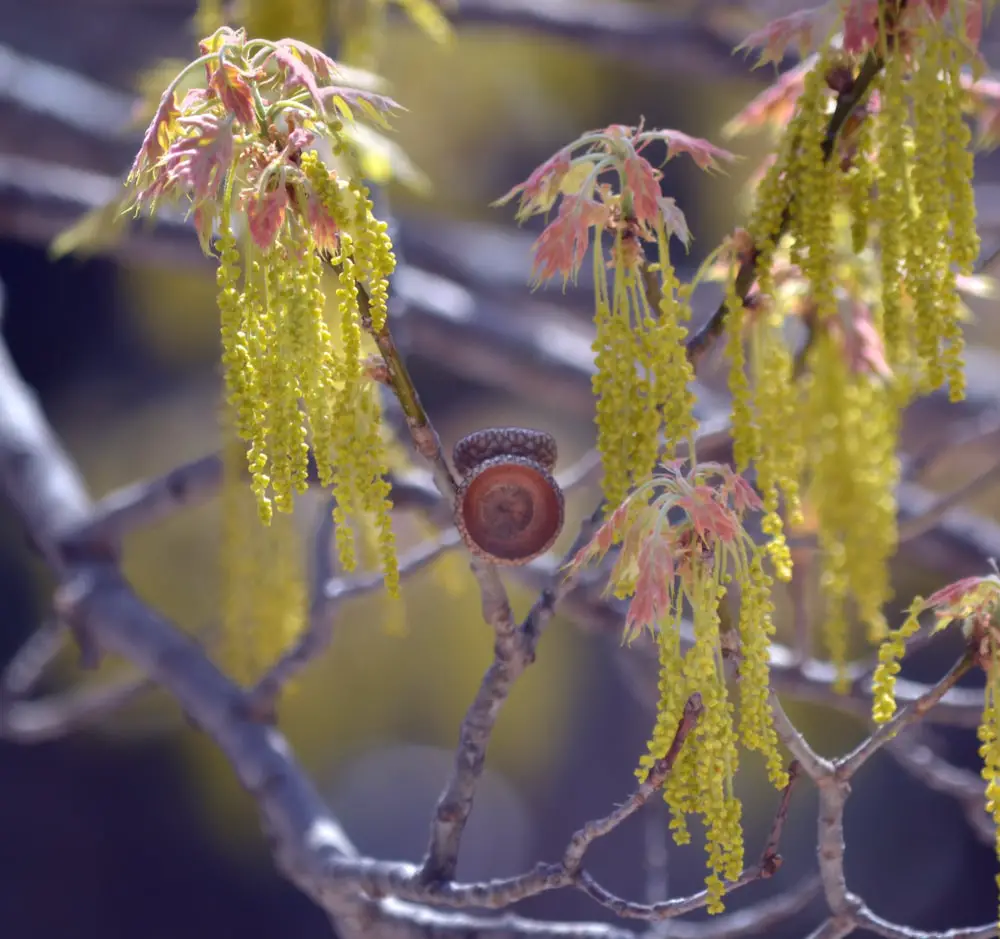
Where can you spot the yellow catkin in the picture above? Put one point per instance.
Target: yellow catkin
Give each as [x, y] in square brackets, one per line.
[893, 212]
[756, 630]
[642, 384]
[778, 455]
[263, 578]
[672, 372]
[614, 386]
[745, 429]
[286, 423]
[928, 259]
[295, 383]
[861, 185]
[890, 652]
[989, 749]
[815, 186]
[854, 470]
[374, 256]
[964, 241]
[701, 780]
[884, 705]
[798, 189]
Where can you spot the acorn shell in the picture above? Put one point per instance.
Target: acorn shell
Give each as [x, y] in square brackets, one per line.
[509, 510]
[492, 442]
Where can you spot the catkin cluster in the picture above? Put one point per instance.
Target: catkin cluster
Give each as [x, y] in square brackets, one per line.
[862, 226]
[642, 383]
[290, 381]
[684, 554]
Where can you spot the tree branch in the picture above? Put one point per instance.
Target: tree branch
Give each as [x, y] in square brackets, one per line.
[848, 765]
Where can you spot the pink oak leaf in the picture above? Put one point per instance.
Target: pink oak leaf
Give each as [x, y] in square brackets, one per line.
[562, 245]
[711, 520]
[952, 593]
[674, 220]
[294, 70]
[198, 161]
[194, 98]
[232, 88]
[744, 496]
[540, 189]
[323, 226]
[354, 101]
[643, 183]
[706, 155]
[222, 37]
[318, 63]
[971, 598]
[861, 25]
[795, 29]
[652, 599]
[157, 137]
[265, 213]
[774, 105]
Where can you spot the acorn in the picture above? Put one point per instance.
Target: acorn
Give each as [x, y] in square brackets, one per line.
[509, 508]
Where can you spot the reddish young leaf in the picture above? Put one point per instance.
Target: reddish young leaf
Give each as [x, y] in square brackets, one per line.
[197, 162]
[644, 186]
[541, 189]
[860, 25]
[233, 90]
[157, 137]
[796, 29]
[265, 214]
[318, 63]
[674, 220]
[705, 154]
[652, 599]
[774, 105]
[562, 246]
[295, 71]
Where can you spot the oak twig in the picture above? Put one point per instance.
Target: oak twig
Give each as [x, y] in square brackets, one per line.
[848, 765]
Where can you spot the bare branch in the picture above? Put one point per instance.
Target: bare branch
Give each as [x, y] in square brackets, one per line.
[57, 715]
[657, 39]
[148, 502]
[868, 920]
[848, 765]
[511, 656]
[29, 663]
[586, 836]
[815, 766]
[919, 524]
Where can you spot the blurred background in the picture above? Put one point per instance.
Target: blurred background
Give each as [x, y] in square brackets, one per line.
[137, 828]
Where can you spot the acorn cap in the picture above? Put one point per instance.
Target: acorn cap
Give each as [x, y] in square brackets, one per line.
[509, 510]
[492, 442]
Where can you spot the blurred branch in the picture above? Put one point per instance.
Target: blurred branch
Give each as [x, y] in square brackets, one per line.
[926, 519]
[866, 919]
[644, 35]
[25, 669]
[57, 715]
[966, 787]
